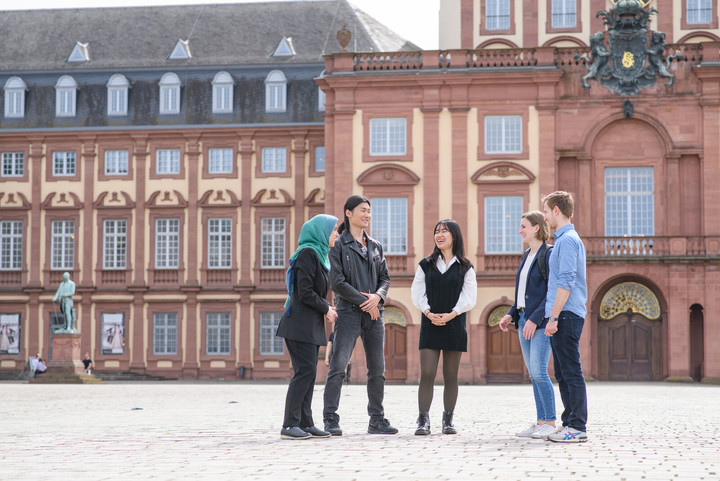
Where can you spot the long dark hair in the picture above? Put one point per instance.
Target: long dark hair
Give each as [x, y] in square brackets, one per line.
[458, 247]
[350, 204]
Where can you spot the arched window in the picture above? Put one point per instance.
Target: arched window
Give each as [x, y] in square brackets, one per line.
[275, 92]
[169, 94]
[117, 94]
[65, 96]
[15, 97]
[222, 93]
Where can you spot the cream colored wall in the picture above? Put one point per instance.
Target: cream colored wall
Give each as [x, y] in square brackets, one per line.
[516, 38]
[416, 166]
[444, 158]
[449, 24]
[543, 36]
[533, 133]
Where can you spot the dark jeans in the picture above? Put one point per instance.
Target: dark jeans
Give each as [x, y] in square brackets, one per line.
[298, 402]
[349, 325]
[568, 371]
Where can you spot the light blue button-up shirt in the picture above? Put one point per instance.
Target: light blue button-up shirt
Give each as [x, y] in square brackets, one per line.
[567, 270]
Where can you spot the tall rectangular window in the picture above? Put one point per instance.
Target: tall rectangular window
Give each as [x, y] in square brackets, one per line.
[497, 14]
[699, 11]
[167, 161]
[219, 243]
[14, 103]
[117, 100]
[116, 162]
[63, 163]
[221, 161]
[270, 344]
[165, 333]
[503, 134]
[65, 102]
[320, 159]
[11, 244]
[222, 98]
[564, 13]
[167, 243]
[273, 159]
[389, 224]
[218, 332]
[629, 201]
[170, 99]
[272, 242]
[388, 136]
[502, 221]
[62, 245]
[114, 244]
[13, 164]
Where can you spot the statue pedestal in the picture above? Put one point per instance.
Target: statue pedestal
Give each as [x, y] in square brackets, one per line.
[66, 366]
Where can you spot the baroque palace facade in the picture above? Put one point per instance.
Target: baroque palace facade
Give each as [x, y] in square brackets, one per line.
[169, 170]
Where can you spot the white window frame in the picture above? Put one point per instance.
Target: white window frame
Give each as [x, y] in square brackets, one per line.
[274, 160]
[497, 15]
[167, 161]
[563, 14]
[11, 245]
[321, 100]
[64, 164]
[218, 331]
[220, 243]
[165, 331]
[502, 218]
[272, 242]
[222, 93]
[170, 94]
[270, 344]
[699, 12]
[114, 244]
[167, 243]
[220, 160]
[275, 92]
[62, 251]
[13, 164]
[15, 89]
[116, 162]
[65, 96]
[389, 224]
[630, 203]
[117, 95]
[319, 158]
[503, 134]
[388, 136]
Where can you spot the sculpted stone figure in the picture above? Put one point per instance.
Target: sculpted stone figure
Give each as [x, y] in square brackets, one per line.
[601, 56]
[65, 291]
[655, 55]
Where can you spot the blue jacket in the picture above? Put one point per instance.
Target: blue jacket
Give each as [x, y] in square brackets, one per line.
[535, 293]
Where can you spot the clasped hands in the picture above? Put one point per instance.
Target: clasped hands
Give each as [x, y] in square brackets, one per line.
[330, 315]
[371, 305]
[440, 319]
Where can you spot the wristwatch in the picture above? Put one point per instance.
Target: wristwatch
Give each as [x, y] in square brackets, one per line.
[552, 319]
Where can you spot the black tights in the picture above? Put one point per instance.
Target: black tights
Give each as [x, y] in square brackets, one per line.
[429, 359]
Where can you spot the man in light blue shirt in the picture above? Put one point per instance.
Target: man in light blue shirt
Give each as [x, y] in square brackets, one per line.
[565, 309]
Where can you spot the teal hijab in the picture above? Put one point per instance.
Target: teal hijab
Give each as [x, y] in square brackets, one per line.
[315, 235]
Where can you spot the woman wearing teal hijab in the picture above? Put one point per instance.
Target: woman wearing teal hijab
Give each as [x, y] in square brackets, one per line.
[303, 324]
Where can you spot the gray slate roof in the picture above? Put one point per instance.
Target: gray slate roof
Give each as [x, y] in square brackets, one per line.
[227, 34]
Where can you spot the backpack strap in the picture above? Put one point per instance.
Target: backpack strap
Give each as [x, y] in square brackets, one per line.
[544, 261]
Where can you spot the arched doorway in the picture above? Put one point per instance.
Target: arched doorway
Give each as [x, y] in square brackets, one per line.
[630, 334]
[697, 342]
[395, 345]
[504, 355]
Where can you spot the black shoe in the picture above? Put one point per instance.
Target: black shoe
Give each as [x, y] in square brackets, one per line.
[316, 432]
[447, 423]
[381, 426]
[333, 427]
[423, 423]
[294, 432]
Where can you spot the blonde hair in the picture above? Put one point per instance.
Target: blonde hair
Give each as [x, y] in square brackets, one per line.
[535, 217]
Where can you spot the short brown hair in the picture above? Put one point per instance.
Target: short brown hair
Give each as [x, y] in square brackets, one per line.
[562, 200]
[535, 217]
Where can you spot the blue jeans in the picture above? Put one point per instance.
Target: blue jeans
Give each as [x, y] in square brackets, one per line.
[568, 371]
[536, 353]
[351, 324]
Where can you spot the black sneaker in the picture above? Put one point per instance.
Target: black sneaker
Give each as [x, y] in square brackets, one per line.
[316, 432]
[381, 426]
[294, 433]
[333, 427]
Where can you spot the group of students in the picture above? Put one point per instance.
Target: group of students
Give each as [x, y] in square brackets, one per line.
[548, 311]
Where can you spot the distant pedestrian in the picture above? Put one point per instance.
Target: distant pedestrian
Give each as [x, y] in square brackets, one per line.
[87, 362]
[40, 368]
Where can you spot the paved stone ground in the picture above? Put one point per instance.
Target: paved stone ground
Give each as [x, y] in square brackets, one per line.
[216, 431]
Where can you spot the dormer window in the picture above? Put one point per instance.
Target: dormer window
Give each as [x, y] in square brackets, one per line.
[169, 94]
[222, 97]
[275, 92]
[117, 95]
[284, 48]
[15, 97]
[181, 51]
[65, 96]
[81, 53]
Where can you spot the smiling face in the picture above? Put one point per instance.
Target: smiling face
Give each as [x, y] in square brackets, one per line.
[443, 238]
[527, 231]
[551, 215]
[333, 237]
[360, 216]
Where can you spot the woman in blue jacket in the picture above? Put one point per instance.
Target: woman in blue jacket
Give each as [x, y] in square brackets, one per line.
[528, 314]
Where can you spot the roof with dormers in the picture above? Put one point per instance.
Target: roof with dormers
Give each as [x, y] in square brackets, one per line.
[218, 34]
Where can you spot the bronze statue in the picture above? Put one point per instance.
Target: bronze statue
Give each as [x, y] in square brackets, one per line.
[65, 291]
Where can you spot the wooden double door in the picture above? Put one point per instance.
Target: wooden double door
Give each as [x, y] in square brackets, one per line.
[395, 353]
[504, 356]
[630, 348]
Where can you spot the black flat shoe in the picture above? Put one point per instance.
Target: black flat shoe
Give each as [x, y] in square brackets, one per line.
[294, 433]
[316, 432]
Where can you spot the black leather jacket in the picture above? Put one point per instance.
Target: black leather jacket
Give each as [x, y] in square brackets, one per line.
[351, 273]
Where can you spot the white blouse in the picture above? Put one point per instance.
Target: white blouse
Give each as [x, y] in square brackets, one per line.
[522, 281]
[468, 295]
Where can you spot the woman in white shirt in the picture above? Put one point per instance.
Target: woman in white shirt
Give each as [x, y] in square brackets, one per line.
[444, 289]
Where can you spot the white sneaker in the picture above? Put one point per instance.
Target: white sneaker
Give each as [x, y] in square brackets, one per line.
[544, 431]
[568, 435]
[527, 433]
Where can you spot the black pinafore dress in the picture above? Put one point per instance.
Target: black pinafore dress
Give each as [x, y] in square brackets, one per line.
[443, 291]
